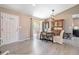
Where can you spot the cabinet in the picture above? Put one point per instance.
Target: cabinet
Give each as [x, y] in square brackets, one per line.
[45, 26]
[57, 26]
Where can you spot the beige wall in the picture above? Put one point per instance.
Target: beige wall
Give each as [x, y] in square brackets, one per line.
[67, 16]
[24, 23]
[76, 22]
[25, 27]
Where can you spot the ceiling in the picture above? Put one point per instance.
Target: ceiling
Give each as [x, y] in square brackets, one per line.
[38, 10]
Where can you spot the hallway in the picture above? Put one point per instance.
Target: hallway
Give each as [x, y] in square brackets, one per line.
[39, 47]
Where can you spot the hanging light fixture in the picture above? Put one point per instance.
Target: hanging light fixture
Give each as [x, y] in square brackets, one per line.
[52, 16]
[50, 20]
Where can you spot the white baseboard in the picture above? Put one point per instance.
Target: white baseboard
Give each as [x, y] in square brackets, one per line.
[15, 41]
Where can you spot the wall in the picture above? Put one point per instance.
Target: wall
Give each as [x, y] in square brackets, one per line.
[67, 16]
[76, 22]
[25, 27]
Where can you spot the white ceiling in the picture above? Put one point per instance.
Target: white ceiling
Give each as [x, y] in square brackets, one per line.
[39, 10]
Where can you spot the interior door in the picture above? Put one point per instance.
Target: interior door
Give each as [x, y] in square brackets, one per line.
[9, 28]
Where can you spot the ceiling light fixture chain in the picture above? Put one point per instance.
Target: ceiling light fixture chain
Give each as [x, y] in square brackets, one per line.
[52, 16]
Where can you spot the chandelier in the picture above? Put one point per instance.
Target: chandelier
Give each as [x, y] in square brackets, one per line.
[52, 15]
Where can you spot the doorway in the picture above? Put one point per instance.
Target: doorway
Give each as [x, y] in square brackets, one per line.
[36, 28]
